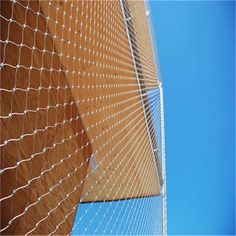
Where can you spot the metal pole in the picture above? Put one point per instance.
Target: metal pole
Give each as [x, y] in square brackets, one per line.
[164, 204]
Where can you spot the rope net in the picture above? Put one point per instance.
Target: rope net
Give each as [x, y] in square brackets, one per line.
[82, 135]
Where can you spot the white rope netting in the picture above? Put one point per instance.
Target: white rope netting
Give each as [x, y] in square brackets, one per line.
[82, 126]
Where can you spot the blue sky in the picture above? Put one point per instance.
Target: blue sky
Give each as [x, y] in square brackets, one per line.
[196, 48]
[129, 217]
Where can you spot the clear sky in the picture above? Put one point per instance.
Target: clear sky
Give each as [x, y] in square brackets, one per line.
[129, 217]
[196, 49]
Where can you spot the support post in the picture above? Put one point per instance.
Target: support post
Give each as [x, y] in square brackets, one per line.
[164, 206]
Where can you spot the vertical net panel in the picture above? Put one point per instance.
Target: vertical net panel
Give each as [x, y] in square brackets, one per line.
[81, 128]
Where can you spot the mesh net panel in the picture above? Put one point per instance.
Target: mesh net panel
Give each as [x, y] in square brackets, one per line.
[81, 119]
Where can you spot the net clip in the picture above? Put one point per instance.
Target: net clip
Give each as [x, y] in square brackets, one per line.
[129, 18]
